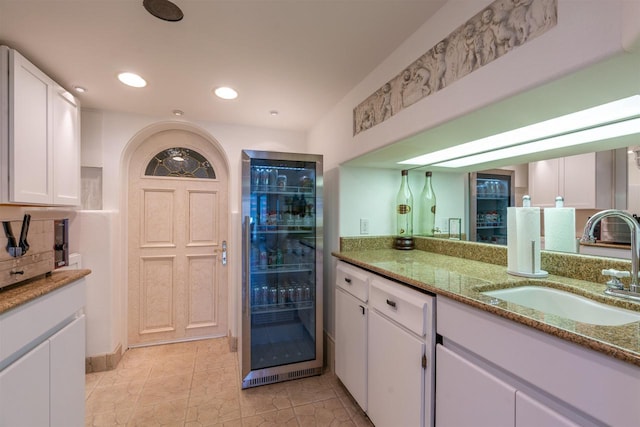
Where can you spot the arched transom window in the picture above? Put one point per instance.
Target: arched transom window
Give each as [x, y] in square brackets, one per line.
[180, 162]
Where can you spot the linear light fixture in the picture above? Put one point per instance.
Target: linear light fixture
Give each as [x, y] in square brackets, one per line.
[494, 147]
[601, 133]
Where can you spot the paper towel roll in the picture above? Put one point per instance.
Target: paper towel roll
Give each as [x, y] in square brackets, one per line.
[560, 229]
[523, 242]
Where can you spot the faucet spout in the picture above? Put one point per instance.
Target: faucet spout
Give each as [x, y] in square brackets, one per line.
[634, 228]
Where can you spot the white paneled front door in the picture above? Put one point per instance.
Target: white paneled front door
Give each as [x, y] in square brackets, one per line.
[177, 287]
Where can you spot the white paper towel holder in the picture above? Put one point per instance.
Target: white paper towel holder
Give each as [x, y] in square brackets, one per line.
[537, 275]
[534, 274]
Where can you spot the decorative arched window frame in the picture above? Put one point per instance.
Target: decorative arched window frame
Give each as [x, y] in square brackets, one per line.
[180, 162]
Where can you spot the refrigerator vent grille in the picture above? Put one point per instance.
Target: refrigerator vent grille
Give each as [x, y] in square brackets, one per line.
[264, 380]
[303, 373]
[270, 379]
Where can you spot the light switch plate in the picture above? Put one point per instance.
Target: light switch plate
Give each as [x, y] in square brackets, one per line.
[364, 226]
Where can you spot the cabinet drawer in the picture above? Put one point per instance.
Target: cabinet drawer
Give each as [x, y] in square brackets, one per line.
[23, 325]
[353, 280]
[401, 304]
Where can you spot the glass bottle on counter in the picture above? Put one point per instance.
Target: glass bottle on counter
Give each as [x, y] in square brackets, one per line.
[404, 214]
[427, 209]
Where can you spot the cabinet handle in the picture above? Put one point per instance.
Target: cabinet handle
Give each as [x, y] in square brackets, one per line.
[391, 303]
[362, 308]
[346, 279]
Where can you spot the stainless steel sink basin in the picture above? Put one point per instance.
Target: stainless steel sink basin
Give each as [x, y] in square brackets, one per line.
[566, 304]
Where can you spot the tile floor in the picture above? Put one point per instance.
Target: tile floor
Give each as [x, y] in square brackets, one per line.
[197, 384]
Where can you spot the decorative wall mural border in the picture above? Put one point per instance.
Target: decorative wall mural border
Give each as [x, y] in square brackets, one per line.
[496, 30]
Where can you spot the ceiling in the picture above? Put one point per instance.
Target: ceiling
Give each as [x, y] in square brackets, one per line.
[297, 57]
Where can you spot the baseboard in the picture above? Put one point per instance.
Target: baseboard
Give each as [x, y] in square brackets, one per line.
[103, 362]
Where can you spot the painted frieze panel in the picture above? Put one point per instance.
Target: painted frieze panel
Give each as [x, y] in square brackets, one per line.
[493, 32]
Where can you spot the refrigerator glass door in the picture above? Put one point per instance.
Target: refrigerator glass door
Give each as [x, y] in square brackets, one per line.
[281, 321]
[493, 193]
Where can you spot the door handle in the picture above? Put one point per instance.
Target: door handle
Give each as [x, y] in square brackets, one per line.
[224, 252]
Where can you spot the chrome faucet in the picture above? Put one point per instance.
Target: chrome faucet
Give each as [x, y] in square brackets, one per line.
[634, 227]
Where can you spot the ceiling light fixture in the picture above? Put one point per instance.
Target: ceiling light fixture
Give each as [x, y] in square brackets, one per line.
[273, 112]
[79, 89]
[601, 133]
[178, 113]
[558, 129]
[225, 92]
[132, 79]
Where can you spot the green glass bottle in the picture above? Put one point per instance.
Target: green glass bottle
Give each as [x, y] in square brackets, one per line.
[404, 214]
[427, 222]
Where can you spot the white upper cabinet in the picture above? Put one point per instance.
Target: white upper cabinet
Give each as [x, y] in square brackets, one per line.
[40, 136]
[66, 153]
[585, 181]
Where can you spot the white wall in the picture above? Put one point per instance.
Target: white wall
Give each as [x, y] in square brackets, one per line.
[588, 31]
[105, 142]
[371, 193]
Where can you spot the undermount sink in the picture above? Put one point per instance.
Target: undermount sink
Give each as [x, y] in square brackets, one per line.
[566, 304]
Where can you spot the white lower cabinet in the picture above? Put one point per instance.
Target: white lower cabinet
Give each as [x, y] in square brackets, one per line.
[352, 314]
[531, 413]
[396, 376]
[491, 371]
[24, 390]
[42, 366]
[401, 355]
[385, 347]
[67, 375]
[351, 345]
[467, 395]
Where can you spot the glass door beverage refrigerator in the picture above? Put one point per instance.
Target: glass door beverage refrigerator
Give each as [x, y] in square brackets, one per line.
[491, 192]
[281, 331]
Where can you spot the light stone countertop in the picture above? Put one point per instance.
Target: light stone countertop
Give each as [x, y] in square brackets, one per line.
[463, 280]
[21, 293]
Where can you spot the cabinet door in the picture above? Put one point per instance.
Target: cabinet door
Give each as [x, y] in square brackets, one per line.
[579, 181]
[531, 413]
[24, 390]
[30, 140]
[66, 148]
[467, 394]
[395, 375]
[544, 182]
[351, 345]
[67, 375]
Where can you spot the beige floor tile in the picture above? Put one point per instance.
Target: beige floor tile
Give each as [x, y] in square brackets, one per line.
[284, 417]
[108, 419]
[113, 399]
[91, 382]
[165, 389]
[123, 375]
[324, 413]
[165, 413]
[309, 390]
[211, 360]
[174, 364]
[214, 409]
[197, 384]
[263, 399]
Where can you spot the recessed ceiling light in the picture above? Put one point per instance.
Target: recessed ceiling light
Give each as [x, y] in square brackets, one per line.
[79, 89]
[132, 79]
[225, 92]
[178, 113]
[273, 112]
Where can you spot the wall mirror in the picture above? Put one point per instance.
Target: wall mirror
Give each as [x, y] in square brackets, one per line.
[609, 80]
